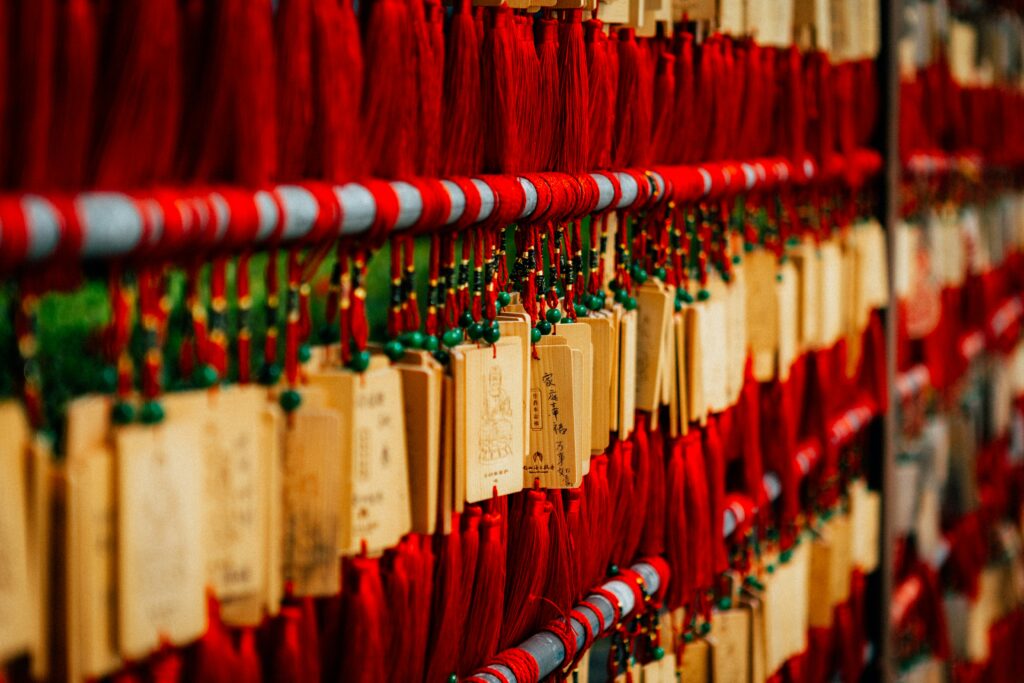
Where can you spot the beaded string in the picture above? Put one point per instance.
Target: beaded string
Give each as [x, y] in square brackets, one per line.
[243, 336]
[153, 316]
[27, 331]
[122, 302]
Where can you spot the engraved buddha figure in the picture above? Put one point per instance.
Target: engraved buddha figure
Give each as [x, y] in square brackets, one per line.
[496, 423]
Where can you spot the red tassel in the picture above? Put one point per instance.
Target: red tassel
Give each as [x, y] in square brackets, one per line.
[309, 639]
[397, 589]
[664, 101]
[463, 120]
[714, 458]
[698, 532]
[364, 627]
[778, 443]
[408, 584]
[249, 666]
[486, 607]
[561, 589]
[529, 547]
[388, 111]
[636, 516]
[428, 66]
[599, 518]
[139, 135]
[544, 139]
[577, 523]
[165, 667]
[527, 84]
[500, 73]
[682, 112]
[573, 145]
[287, 662]
[601, 93]
[447, 620]
[255, 160]
[750, 429]
[677, 540]
[633, 104]
[7, 80]
[420, 560]
[234, 136]
[214, 654]
[620, 487]
[32, 80]
[74, 103]
[294, 28]
[653, 542]
[337, 90]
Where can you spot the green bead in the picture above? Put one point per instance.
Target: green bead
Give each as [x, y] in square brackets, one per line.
[724, 604]
[492, 334]
[748, 247]
[705, 628]
[630, 303]
[535, 335]
[786, 555]
[431, 343]
[595, 302]
[453, 678]
[614, 285]
[414, 339]
[545, 327]
[689, 636]
[360, 361]
[778, 278]
[679, 305]
[613, 570]
[441, 356]
[151, 413]
[108, 379]
[770, 569]
[504, 298]
[685, 296]
[581, 310]
[737, 260]
[452, 337]
[703, 295]
[476, 330]
[270, 374]
[466, 319]
[553, 315]
[123, 412]
[620, 296]
[305, 353]
[290, 400]
[661, 273]
[658, 653]
[394, 349]
[639, 274]
[205, 376]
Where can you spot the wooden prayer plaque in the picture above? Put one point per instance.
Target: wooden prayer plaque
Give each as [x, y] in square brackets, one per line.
[600, 415]
[17, 613]
[421, 395]
[488, 415]
[653, 308]
[554, 456]
[312, 477]
[160, 559]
